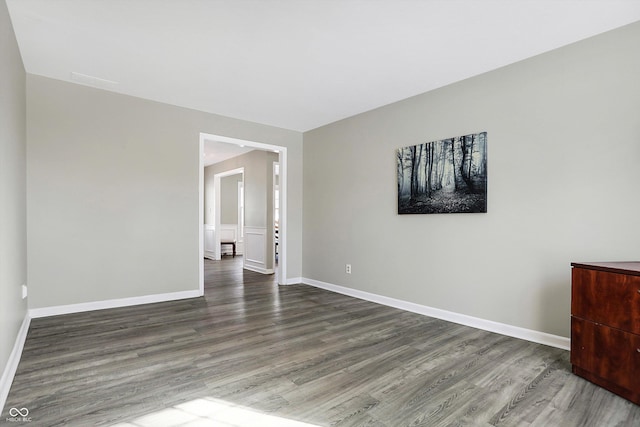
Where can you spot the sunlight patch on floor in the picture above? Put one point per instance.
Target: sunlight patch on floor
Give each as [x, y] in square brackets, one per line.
[209, 412]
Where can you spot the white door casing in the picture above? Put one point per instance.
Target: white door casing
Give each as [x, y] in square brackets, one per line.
[282, 238]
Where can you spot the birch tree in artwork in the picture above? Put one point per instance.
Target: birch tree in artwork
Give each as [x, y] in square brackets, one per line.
[446, 176]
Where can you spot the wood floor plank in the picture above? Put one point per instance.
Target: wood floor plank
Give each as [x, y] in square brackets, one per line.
[295, 352]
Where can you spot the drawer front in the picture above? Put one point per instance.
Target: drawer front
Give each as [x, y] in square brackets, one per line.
[609, 298]
[609, 353]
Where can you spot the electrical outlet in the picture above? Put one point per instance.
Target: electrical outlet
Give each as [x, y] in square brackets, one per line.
[348, 269]
[24, 291]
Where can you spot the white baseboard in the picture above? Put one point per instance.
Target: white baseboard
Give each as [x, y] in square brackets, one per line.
[462, 319]
[114, 303]
[258, 269]
[12, 364]
[293, 281]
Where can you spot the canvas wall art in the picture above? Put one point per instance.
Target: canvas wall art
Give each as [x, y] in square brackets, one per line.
[446, 176]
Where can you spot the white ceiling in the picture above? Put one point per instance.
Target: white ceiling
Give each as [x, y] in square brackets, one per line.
[216, 152]
[295, 64]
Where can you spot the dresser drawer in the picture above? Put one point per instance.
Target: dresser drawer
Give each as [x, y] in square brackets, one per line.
[607, 298]
[607, 353]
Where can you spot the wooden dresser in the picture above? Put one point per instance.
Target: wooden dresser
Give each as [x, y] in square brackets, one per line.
[605, 325]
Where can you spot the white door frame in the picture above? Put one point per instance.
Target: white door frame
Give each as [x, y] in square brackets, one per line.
[240, 230]
[216, 208]
[273, 197]
[282, 238]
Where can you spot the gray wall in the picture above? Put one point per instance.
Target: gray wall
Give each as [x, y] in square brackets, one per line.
[229, 199]
[258, 195]
[113, 192]
[563, 144]
[13, 241]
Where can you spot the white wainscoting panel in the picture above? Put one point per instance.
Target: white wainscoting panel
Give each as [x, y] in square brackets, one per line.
[209, 241]
[229, 232]
[255, 249]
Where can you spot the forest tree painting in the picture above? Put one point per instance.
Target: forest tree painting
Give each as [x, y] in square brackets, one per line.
[446, 176]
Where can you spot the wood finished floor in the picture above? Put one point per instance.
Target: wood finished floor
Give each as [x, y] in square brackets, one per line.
[251, 353]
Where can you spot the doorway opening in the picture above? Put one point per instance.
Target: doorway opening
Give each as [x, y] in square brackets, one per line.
[252, 239]
[228, 231]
